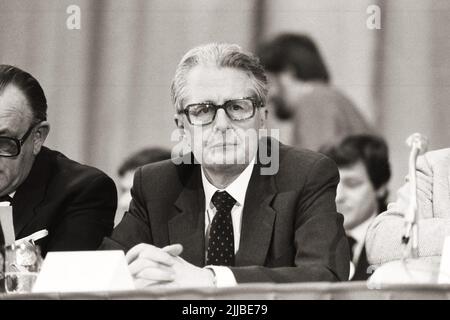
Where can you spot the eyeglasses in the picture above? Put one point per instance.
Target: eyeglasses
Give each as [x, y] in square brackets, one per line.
[11, 147]
[202, 114]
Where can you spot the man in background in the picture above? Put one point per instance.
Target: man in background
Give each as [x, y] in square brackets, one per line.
[126, 173]
[363, 163]
[46, 190]
[300, 92]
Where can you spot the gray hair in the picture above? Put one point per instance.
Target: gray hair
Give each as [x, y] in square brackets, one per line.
[221, 55]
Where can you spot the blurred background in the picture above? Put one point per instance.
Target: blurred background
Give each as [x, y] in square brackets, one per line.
[107, 84]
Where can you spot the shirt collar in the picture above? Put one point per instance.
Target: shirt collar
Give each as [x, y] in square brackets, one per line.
[5, 203]
[359, 232]
[237, 189]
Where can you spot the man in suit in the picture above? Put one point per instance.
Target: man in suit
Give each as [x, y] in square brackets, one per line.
[224, 214]
[46, 190]
[363, 163]
[433, 199]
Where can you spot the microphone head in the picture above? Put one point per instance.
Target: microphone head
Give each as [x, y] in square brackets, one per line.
[418, 141]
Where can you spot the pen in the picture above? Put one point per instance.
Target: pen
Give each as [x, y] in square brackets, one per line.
[33, 237]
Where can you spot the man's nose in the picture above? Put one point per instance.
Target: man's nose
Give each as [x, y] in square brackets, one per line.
[222, 122]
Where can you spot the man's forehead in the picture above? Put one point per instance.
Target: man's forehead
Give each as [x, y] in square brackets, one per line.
[355, 169]
[213, 83]
[14, 109]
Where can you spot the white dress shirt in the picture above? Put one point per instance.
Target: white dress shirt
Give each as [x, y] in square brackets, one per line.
[237, 189]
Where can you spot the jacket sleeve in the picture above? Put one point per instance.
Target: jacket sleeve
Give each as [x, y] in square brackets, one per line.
[383, 241]
[135, 225]
[88, 216]
[322, 252]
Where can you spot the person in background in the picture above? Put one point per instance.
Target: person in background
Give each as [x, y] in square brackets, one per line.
[433, 199]
[301, 92]
[364, 169]
[126, 173]
[240, 207]
[74, 202]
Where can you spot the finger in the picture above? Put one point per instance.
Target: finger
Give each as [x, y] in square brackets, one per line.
[155, 274]
[157, 255]
[143, 283]
[134, 252]
[174, 249]
[150, 252]
[140, 264]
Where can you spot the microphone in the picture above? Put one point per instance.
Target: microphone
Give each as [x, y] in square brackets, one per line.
[418, 144]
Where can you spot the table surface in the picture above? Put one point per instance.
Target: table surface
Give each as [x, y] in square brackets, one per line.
[264, 291]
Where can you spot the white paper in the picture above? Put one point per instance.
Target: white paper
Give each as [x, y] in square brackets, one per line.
[444, 270]
[84, 271]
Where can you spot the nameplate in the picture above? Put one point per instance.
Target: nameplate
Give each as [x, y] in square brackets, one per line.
[444, 270]
[84, 271]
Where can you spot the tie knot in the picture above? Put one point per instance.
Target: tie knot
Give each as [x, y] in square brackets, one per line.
[6, 198]
[223, 201]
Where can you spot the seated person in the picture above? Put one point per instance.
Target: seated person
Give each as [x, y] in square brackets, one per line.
[46, 190]
[238, 208]
[433, 190]
[363, 164]
[301, 93]
[126, 173]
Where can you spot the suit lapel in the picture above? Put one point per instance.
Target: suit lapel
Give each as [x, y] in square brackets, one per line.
[187, 224]
[31, 193]
[258, 218]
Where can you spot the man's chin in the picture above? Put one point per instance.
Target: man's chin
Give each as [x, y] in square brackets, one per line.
[223, 160]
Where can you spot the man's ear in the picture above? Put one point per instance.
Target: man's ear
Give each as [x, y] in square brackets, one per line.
[381, 191]
[263, 118]
[178, 121]
[40, 134]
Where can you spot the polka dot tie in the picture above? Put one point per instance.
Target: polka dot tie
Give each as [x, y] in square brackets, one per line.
[221, 237]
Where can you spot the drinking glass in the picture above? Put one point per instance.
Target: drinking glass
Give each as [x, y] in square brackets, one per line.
[22, 263]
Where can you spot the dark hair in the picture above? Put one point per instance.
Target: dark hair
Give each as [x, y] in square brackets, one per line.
[372, 151]
[30, 87]
[294, 52]
[143, 157]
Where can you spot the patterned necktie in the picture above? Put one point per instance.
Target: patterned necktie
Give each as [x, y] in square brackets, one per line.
[221, 236]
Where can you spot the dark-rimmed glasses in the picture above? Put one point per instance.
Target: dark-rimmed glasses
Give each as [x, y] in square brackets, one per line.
[11, 147]
[202, 114]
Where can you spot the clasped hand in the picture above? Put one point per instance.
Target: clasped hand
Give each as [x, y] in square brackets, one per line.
[150, 265]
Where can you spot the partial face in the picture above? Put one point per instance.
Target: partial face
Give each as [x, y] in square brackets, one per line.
[281, 95]
[125, 184]
[356, 198]
[15, 119]
[223, 143]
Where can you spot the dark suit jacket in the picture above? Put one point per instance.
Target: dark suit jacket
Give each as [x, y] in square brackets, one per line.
[74, 202]
[290, 228]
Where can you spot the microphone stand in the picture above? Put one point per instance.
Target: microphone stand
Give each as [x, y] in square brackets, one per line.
[418, 145]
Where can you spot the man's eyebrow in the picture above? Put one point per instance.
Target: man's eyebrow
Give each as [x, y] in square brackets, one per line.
[5, 131]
